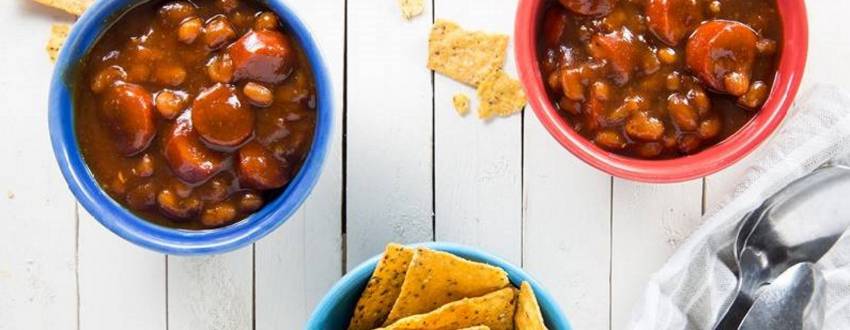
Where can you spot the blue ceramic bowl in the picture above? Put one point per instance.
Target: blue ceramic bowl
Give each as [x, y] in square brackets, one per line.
[122, 222]
[336, 308]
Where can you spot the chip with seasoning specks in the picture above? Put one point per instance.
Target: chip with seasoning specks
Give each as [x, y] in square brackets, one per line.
[411, 8]
[494, 311]
[500, 95]
[478, 327]
[461, 103]
[383, 288]
[465, 56]
[435, 278]
[58, 35]
[528, 316]
[76, 7]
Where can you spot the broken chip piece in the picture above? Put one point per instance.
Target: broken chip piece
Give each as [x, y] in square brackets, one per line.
[500, 95]
[528, 316]
[76, 7]
[436, 278]
[493, 310]
[411, 8]
[461, 103]
[465, 56]
[58, 35]
[383, 288]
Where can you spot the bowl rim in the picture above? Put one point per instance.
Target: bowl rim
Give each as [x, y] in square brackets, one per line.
[709, 161]
[91, 25]
[356, 279]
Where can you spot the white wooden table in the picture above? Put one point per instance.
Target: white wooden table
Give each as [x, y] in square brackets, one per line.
[403, 167]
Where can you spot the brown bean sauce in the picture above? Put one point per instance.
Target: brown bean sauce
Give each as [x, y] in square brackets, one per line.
[659, 79]
[193, 114]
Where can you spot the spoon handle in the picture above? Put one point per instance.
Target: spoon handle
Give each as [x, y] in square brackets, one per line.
[736, 312]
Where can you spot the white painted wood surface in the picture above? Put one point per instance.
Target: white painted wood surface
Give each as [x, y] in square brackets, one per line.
[478, 165]
[412, 170]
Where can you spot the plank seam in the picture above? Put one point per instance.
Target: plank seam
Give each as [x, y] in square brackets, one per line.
[611, 256]
[344, 151]
[433, 141]
[77, 257]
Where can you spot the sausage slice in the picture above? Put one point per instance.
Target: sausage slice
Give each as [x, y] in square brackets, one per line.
[188, 157]
[672, 20]
[264, 56]
[554, 23]
[722, 54]
[589, 7]
[221, 117]
[621, 49]
[127, 111]
[258, 168]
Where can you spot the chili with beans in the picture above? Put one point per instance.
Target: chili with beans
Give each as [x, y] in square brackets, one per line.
[194, 113]
[659, 79]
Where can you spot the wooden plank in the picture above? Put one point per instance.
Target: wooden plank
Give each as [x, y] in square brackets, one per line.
[122, 286]
[567, 227]
[38, 288]
[389, 129]
[478, 165]
[211, 292]
[297, 264]
[649, 221]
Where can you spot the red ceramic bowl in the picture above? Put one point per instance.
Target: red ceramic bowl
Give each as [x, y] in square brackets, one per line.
[724, 154]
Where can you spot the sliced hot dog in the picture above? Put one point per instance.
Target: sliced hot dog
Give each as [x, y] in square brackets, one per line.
[221, 117]
[127, 111]
[589, 7]
[621, 50]
[258, 168]
[672, 20]
[722, 54]
[264, 56]
[554, 23]
[188, 157]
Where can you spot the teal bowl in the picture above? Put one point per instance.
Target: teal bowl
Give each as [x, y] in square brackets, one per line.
[336, 308]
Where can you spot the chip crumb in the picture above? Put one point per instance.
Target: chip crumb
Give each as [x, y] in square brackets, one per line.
[461, 103]
[411, 8]
[76, 7]
[465, 56]
[58, 34]
[500, 95]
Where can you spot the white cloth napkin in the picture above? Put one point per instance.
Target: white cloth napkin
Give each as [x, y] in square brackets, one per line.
[691, 288]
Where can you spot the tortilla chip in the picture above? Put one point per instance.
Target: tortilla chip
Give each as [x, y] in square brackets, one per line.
[528, 316]
[411, 8]
[494, 310]
[58, 34]
[500, 95]
[461, 103]
[465, 56]
[436, 278]
[478, 327]
[383, 288]
[76, 7]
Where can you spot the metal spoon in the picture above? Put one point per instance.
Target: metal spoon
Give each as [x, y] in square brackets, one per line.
[798, 224]
[793, 301]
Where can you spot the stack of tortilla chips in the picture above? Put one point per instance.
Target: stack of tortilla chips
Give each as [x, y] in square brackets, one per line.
[418, 288]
